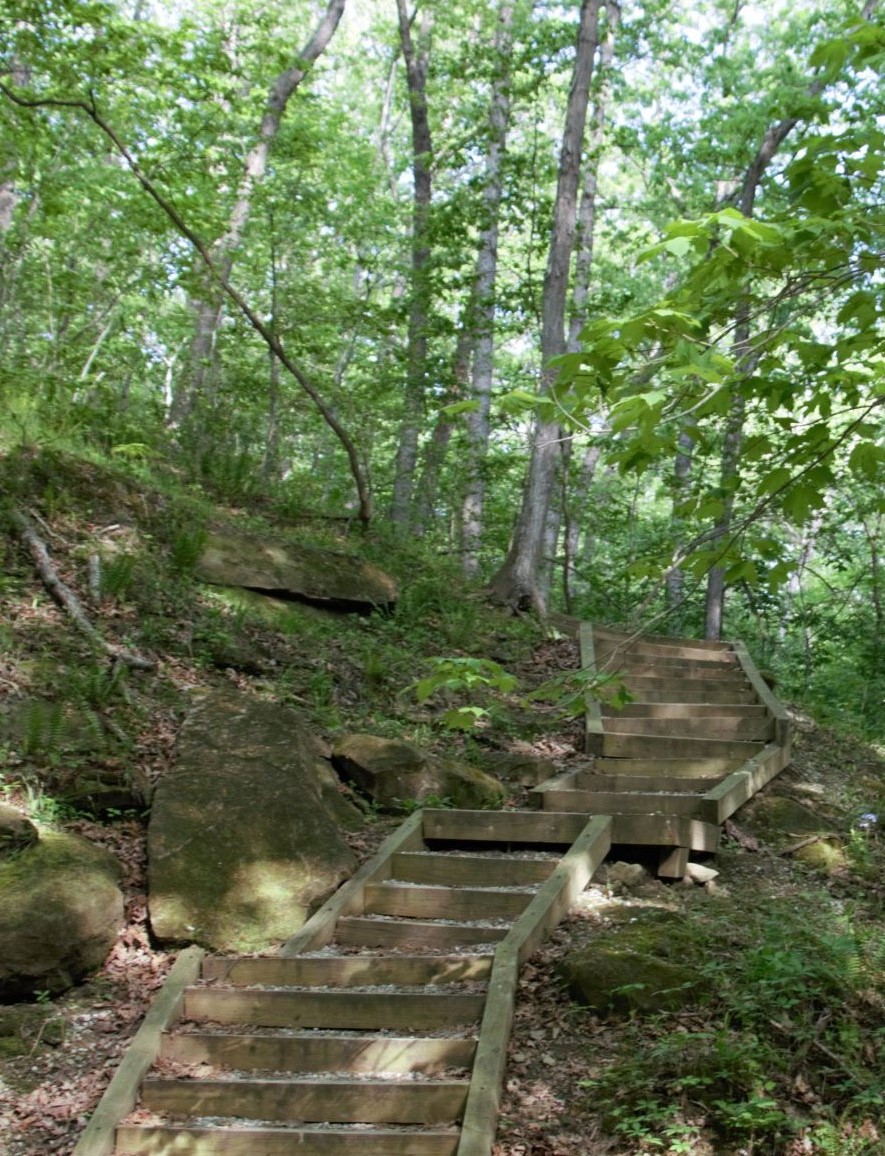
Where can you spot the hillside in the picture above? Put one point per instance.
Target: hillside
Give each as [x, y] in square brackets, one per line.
[783, 1056]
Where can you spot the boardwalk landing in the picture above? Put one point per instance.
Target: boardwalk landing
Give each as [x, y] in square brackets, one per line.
[381, 1027]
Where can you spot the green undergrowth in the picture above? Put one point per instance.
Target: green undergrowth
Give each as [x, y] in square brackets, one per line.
[125, 533]
[786, 1053]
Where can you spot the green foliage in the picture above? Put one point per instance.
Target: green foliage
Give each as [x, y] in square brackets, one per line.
[464, 676]
[789, 982]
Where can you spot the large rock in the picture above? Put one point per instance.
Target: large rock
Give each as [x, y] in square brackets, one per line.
[339, 581]
[644, 964]
[395, 774]
[60, 911]
[242, 844]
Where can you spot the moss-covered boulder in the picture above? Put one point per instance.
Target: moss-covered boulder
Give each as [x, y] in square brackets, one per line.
[644, 964]
[515, 767]
[291, 570]
[60, 911]
[394, 774]
[777, 818]
[243, 840]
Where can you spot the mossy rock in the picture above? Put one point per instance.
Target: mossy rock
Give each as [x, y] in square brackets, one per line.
[394, 774]
[614, 980]
[824, 855]
[60, 911]
[645, 963]
[777, 817]
[16, 831]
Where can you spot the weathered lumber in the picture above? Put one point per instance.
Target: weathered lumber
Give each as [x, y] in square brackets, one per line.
[417, 901]
[315, 1053]
[592, 705]
[253, 1140]
[662, 642]
[674, 863]
[689, 710]
[677, 768]
[634, 803]
[544, 912]
[665, 831]
[320, 1008]
[356, 931]
[346, 970]
[742, 784]
[501, 827]
[775, 707]
[328, 1100]
[668, 690]
[721, 675]
[637, 746]
[626, 784]
[121, 1093]
[348, 899]
[464, 870]
[713, 726]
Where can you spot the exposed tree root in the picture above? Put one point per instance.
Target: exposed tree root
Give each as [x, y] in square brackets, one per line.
[68, 600]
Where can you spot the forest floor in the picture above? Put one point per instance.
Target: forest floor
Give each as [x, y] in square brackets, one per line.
[787, 1056]
[75, 1042]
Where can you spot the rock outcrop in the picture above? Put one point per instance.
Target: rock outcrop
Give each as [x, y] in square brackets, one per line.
[60, 911]
[396, 774]
[293, 571]
[243, 840]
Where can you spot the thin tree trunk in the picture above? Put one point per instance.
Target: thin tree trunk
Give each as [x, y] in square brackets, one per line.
[681, 480]
[427, 488]
[516, 583]
[207, 307]
[417, 58]
[482, 313]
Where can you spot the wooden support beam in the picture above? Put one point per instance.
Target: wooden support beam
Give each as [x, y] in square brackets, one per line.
[346, 970]
[121, 1093]
[252, 1140]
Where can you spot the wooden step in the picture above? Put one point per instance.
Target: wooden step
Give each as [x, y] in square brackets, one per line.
[508, 827]
[711, 727]
[685, 710]
[314, 1053]
[254, 1140]
[416, 901]
[665, 831]
[359, 931]
[635, 803]
[587, 781]
[680, 672]
[700, 665]
[346, 970]
[605, 636]
[466, 870]
[668, 768]
[662, 690]
[314, 1008]
[633, 746]
[348, 1101]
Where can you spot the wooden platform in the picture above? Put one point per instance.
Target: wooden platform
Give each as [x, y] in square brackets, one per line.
[381, 1027]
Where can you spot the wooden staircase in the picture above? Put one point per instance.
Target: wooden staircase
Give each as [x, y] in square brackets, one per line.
[703, 733]
[381, 1027]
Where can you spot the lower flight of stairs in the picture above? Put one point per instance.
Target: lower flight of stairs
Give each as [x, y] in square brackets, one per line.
[381, 1029]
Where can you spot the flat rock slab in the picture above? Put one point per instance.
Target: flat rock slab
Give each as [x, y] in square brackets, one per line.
[290, 570]
[242, 844]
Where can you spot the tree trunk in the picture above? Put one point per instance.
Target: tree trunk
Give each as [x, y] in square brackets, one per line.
[208, 306]
[417, 58]
[681, 478]
[482, 312]
[426, 491]
[517, 581]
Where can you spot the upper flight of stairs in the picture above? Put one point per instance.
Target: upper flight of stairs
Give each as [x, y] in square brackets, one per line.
[703, 733]
[381, 1027]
